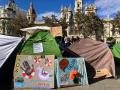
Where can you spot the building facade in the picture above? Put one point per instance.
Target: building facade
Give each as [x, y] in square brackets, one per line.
[109, 31]
[68, 14]
[7, 13]
[78, 6]
[31, 14]
[90, 9]
[107, 28]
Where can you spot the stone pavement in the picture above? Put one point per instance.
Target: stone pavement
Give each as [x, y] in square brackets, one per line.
[107, 84]
[104, 84]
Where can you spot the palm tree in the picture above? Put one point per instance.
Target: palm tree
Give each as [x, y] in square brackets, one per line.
[51, 21]
[116, 22]
[64, 24]
[79, 23]
[89, 25]
[96, 25]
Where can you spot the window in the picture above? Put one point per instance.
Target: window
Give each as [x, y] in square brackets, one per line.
[78, 5]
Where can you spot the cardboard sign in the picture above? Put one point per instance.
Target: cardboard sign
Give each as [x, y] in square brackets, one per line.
[37, 47]
[71, 71]
[32, 71]
[56, 31]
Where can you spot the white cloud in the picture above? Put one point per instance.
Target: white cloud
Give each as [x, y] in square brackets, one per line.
[107, 7]
[39, 16]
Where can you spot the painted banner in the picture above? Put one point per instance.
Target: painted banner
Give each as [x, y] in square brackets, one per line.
[71, 71]
[33, 71]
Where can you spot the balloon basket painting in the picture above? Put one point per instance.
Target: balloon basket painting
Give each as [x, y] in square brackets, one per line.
[34, 71]
[71, 72]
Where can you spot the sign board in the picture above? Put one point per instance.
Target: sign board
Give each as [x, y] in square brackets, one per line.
[33, 71]
[56, 31]
[71, 71]
[37, 47]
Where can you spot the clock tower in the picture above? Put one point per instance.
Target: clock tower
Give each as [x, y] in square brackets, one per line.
[78, 6]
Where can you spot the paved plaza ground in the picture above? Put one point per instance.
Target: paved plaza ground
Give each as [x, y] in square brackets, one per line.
[104, 84]
[107, 84]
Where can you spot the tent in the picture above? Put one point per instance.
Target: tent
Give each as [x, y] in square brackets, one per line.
[40, 43]
[116, 51]
[8, 49]
[55, 31]
[38, 28]
[97, 55]
[31, 30]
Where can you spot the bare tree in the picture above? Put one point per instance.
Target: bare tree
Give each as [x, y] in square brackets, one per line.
[20, 21]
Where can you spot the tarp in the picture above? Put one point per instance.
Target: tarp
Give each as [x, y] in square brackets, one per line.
[40, 43]
[96, 54]
[7, 46]
[116, 51]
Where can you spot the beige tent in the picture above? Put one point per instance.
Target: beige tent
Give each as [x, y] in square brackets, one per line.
[55, 31]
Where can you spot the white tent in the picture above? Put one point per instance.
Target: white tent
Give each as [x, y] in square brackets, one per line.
[7, 46]
[35, 28]
[30, 30]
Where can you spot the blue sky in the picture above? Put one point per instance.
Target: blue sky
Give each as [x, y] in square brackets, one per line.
[47, 7]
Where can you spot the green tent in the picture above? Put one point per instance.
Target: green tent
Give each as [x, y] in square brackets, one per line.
[116, 51]
[49, 45]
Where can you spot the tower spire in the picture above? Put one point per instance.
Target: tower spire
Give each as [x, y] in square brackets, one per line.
[10, 2]
[11, 5]
[31, 14]
[78, 6]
